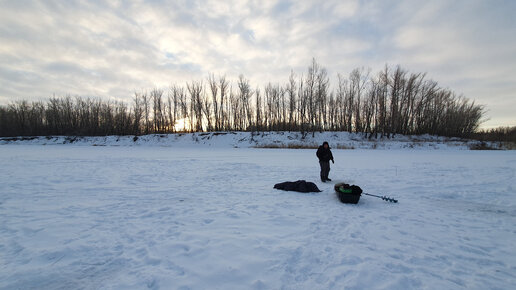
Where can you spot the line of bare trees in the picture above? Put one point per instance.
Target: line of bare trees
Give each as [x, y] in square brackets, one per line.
[503, 134]
[392, 101]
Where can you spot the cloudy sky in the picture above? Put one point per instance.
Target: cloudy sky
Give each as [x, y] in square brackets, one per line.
[112, 49]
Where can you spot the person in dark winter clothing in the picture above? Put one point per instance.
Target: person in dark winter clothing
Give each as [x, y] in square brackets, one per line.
[324, 154]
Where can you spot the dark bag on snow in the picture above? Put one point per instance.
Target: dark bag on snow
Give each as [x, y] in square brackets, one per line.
[300, 186]
[348, 193]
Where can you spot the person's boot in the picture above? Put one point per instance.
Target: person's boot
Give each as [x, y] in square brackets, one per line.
[327, 179]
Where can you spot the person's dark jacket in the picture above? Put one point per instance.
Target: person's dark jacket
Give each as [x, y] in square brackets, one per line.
[323, 154]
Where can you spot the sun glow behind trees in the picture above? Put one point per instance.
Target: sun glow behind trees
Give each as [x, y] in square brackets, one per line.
[182, 125]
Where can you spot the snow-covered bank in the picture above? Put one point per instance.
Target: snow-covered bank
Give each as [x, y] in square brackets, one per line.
[85, 217]
[341, 140]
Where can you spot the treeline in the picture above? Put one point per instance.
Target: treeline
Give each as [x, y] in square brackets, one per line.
[504, 134]
[392, 101]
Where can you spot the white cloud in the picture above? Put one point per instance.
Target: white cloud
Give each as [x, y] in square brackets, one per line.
[114, 48]
[343, 9]
[462, 50]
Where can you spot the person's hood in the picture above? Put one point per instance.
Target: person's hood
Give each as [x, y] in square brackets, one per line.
[322, 146]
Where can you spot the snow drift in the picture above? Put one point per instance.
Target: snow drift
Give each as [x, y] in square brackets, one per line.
[338, 140]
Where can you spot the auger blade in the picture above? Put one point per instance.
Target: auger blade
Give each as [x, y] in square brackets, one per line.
[383, 197]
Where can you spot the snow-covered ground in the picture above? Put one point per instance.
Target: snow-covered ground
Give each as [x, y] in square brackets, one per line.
[207, 217]
[341, 140]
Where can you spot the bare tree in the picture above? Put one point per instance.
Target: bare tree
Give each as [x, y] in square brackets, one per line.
[224, 117]
[157, 99]
[245, 93]
[138, 112]
[292, 100]
[214, 89]
[195, 90]
[258, 109]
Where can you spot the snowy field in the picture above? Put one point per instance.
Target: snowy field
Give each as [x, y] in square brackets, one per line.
[151, 217]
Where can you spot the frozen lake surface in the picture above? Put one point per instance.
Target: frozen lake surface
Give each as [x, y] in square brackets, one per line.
[86, 217]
